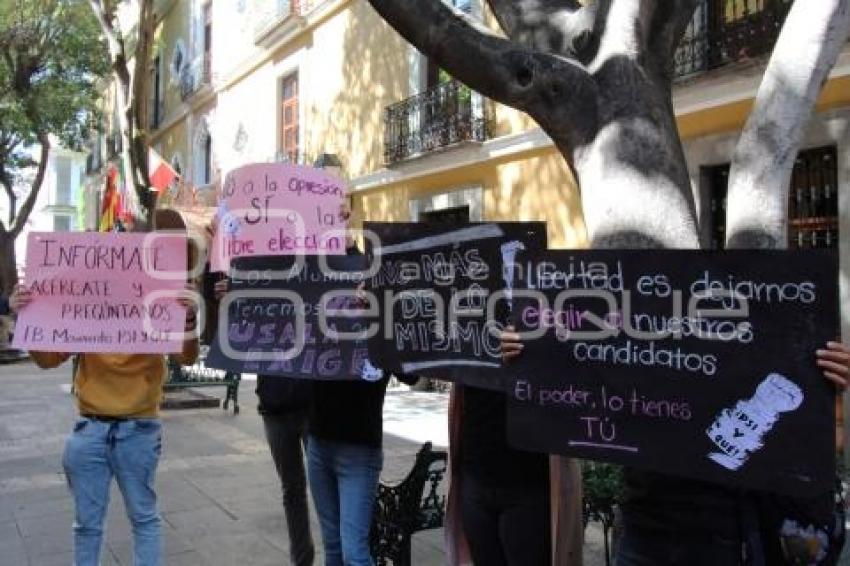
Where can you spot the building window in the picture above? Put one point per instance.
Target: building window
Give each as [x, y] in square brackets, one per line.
[454, 215]
[289, 118]
[813, 210]
[61, 223]
[459, 204]
[434, 75]
[208, 29]
[63, 182]
[178, 61]
[812, 206]
[207, 176]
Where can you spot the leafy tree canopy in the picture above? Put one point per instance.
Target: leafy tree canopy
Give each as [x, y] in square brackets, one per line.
[51, 55]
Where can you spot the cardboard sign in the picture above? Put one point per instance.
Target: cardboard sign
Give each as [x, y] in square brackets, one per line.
[273, 209]
[434, 282]
[270, 321]
[104, 293]
[699, 364]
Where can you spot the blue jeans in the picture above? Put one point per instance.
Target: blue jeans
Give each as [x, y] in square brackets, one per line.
[128, 450]
[343, 480]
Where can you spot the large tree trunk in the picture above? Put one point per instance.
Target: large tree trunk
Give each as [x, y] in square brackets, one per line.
[597, 79]
[8, 270]
[808, 46]
[131, 91]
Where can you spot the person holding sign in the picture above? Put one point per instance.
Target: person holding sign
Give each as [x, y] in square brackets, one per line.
[345, 454]
[118, 434]
[284, 405]
[504, 500]
[344, 461]
[675, 521]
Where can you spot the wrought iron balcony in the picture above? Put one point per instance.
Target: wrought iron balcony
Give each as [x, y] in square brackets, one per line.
[444, 115]
[280, 17]
[726, 31]
[195, 76]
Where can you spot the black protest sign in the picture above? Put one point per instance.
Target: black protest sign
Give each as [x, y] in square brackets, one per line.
[698, 364]
[278, 319]
[434, 282]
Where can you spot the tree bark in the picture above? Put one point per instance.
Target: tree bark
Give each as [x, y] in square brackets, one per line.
[131, 98]
[26, 208]
[605, 102]
[8, 269]
[808, 46]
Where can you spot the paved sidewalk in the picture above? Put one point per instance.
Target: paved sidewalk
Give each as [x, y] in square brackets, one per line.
[219, 494]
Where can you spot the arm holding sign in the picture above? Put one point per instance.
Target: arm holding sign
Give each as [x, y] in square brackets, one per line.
[21, 297]
[835, 363]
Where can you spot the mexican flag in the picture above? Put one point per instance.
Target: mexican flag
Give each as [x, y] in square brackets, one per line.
[161, 173]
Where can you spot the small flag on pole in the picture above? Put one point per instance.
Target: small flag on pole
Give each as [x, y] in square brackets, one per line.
[111, 202]
[161, 172]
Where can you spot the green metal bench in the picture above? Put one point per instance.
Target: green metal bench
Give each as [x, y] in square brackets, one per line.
[407, 507]
[199, 375]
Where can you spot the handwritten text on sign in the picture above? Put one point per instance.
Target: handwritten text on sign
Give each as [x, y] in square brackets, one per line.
[436, 282]
[274, 209]
[294, 324]
[103, 293]
[698, 364]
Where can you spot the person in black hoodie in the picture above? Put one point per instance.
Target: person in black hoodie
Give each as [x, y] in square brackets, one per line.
[345, 456]
[284, 407]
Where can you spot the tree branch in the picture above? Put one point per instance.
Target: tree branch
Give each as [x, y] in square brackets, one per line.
[6, 181]
[497, 68]
[808, 46]
[669, 21]
[23, 215]
[539, 24]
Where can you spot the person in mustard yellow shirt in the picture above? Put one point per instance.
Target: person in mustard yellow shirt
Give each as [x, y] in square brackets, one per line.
[117, 435]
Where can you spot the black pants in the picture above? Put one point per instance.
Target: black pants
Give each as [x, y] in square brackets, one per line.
[506, 526]
[285, 435]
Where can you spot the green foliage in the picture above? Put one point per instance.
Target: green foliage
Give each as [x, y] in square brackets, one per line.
[602, 483]
[51, 55]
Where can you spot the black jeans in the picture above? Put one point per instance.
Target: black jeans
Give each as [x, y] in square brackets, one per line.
[506, 526]
[285, 435]
[649, 547]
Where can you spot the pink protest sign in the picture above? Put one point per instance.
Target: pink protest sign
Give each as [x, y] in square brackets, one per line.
[103, 293]
[278, 209]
